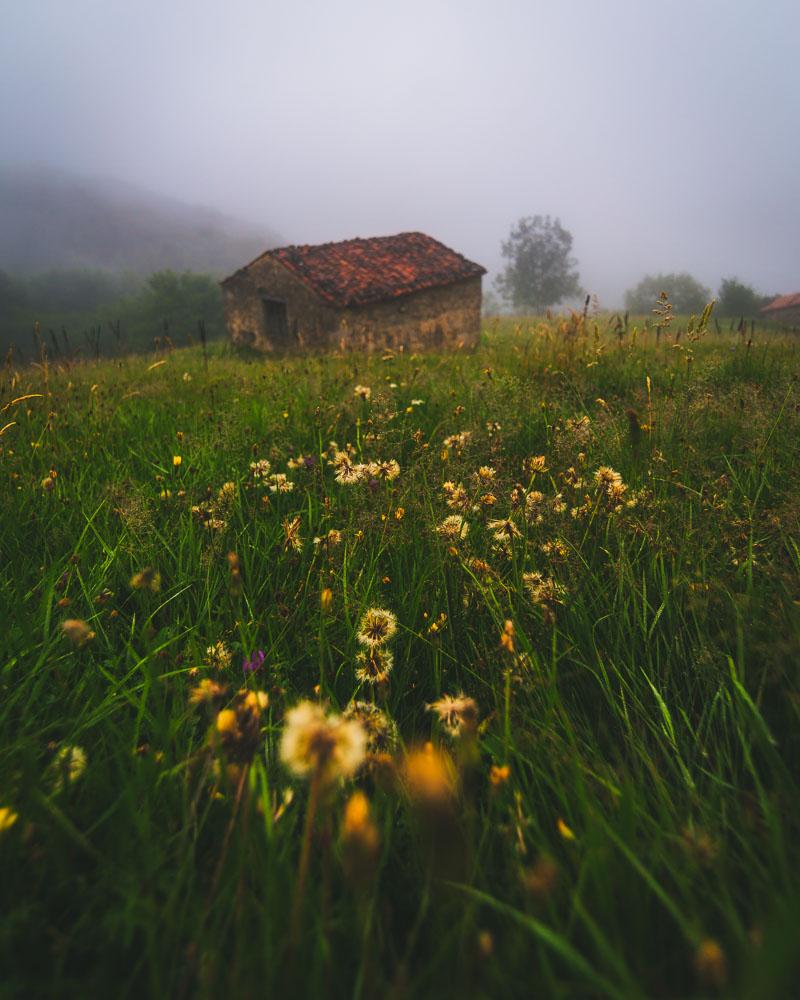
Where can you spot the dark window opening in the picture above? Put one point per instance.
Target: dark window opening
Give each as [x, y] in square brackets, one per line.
[276, 323]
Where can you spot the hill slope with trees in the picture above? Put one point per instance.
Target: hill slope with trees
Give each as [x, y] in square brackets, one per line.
[52, 220]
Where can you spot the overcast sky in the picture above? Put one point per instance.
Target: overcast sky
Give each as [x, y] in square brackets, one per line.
[664, 133]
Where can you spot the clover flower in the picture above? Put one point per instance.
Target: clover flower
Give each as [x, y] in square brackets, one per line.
[387, 470]
[67, 766]
[146, 579]
[226, 495]
[608, 480]
[280, 483]
[260, 469]
[254, 662]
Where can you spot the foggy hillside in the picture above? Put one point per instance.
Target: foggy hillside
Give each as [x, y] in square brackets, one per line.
[50, 219]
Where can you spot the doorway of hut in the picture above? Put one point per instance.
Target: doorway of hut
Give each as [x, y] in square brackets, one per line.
[276, 323]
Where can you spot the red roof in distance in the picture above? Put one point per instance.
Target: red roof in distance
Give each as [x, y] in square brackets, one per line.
[355, 272]
[783, 302]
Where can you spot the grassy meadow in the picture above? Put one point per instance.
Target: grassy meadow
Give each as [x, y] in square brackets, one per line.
[563, 764]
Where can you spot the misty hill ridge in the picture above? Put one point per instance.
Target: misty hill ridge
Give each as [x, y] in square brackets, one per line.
[50, 220]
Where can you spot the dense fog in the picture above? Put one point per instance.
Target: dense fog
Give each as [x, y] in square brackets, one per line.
[664, 135]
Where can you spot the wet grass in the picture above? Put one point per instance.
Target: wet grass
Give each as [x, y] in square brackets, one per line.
[643, 839]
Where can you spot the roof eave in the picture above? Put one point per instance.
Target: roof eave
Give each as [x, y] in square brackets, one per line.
[413, 291]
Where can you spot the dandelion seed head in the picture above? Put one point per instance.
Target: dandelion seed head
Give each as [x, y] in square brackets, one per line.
[226, 721]
[429, 776]
[206, 692]
[453, 527]
[385, 470]
[377, 626]
[380, 729]
[291, 534]
[77, 631]
[315, 742]
[373, 665]
[146, 579]
[533, 504]
[226, 496]
[543, 590]
[458, 715]
[534, 464]
[711, 964]
[504, 529]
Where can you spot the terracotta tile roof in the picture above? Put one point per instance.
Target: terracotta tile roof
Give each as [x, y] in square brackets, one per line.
[355, 272]
[783, 302]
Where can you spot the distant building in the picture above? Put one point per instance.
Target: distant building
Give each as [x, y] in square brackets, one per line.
[390, 291]
[785, 309]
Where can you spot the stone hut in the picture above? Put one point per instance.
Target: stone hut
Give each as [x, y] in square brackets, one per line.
[785, 310]
[405, 291]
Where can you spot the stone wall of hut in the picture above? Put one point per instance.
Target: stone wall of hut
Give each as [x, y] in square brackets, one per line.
[444, 317]
[309, 320]
[448, 317]
[785, 318]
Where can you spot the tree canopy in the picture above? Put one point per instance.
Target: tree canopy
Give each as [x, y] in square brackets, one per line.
[539, 271]
[79, 301]
[737, 299]
[685, 293]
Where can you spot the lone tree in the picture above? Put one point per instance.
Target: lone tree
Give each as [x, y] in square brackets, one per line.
[738, 299]
[685, 293]
[540, 271]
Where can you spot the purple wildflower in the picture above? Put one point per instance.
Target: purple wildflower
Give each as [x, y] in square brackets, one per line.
[254, 662]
